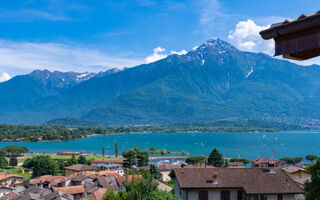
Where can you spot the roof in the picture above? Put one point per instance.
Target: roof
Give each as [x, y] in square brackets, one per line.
[4, 176]
[109, 182]
[167, 167]
[78, 189]
[235, 164]
[265, 161]
[303, 22]
[80, 177]
[162, 186]
[98, 195]
[292, 169]
[199, 166]
[302, 181]
[53, 180]
[251, 180]
[80, 167]
[10, 196]
[107, 161]
[122, 179]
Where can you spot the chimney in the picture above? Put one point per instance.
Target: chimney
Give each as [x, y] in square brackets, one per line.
[215, 177]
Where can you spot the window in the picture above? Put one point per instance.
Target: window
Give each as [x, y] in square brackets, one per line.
[239, 195]
[280, 197]
[225, 195]
[203, 195]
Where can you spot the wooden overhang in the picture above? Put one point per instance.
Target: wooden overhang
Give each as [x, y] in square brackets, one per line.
[297, 39]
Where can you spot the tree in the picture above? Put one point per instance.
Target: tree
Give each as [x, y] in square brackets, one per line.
[136, 148]
[44, 165]
[3, 162]
[193, 160]
[312, 188]
[27, 163]
[82, 160]
[116, 149]
[103, 151]
[13, 161]
[155, 172]
[2, 153]
[311, 158]
[243, 160]
[130, 157]
[215, 158]
[142, 158]
[72, 160]
[292, 160]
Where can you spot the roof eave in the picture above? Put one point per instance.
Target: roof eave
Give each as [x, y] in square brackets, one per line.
[291, 27]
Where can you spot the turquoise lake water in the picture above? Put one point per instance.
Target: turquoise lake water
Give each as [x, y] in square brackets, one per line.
[247, 145]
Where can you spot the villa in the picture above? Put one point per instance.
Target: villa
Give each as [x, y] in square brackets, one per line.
[234, 184]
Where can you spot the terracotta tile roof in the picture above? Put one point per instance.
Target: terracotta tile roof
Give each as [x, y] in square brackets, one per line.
[80, 167]
[122, 179]
[302, 181]
[98, 195]
[235, 164]
[199, 166]
[251, 180]
[10, 196]
[292, 169]
[4, 176]
[167, 167]
[162, 186]
[53, 180]
[78, 189]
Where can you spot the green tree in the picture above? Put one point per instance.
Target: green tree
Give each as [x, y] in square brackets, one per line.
[155, 172]
[312, 188]
[142, 158]
[160, 195]
[136, 148]
[72, 160]
[116, 150]
[215, 158]
[27, 163]
[13, 161]
[44, 165]
[3, 162]
[130, 158]
[82, 160]
[243, 160]
[311, 158]
[194, 160]
[2, 153]
[292, 160]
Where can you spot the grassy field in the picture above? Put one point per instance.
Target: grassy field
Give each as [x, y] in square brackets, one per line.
[26, 176]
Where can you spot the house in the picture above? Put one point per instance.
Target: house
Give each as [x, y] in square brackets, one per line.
[266, 162]
[10, 180]
[165, 170]
[10, 196]
[234, 184]
[48, 181]
[78, 168]
[98, 195]
[108, 182]
[296, 172]
[296, 39]
[162, 186]
[5, 190]
[109, 166]
[76, 191]
[302, 181]
[235, 165]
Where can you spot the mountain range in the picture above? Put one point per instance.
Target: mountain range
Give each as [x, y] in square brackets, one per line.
[213, 82]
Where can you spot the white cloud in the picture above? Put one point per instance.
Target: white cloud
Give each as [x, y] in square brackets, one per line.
[246, 37]
[25, 56]
[158, 54]
[4, 77]
[182, 52]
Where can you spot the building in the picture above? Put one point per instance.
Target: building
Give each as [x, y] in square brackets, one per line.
[234, 184]
[111, 167]
[235, 165]
[108, 161]
[78, 168]
[165, 170]
[10, 180]
[296, 39]
[48, 181]
[296, 172]
[266, 162]
[76, 191]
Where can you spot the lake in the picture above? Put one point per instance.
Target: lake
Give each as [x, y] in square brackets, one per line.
[247, 145]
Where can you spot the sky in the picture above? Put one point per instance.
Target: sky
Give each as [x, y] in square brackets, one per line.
[86, 35]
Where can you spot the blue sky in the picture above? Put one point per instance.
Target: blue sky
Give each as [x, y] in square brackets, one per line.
[87, 35]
